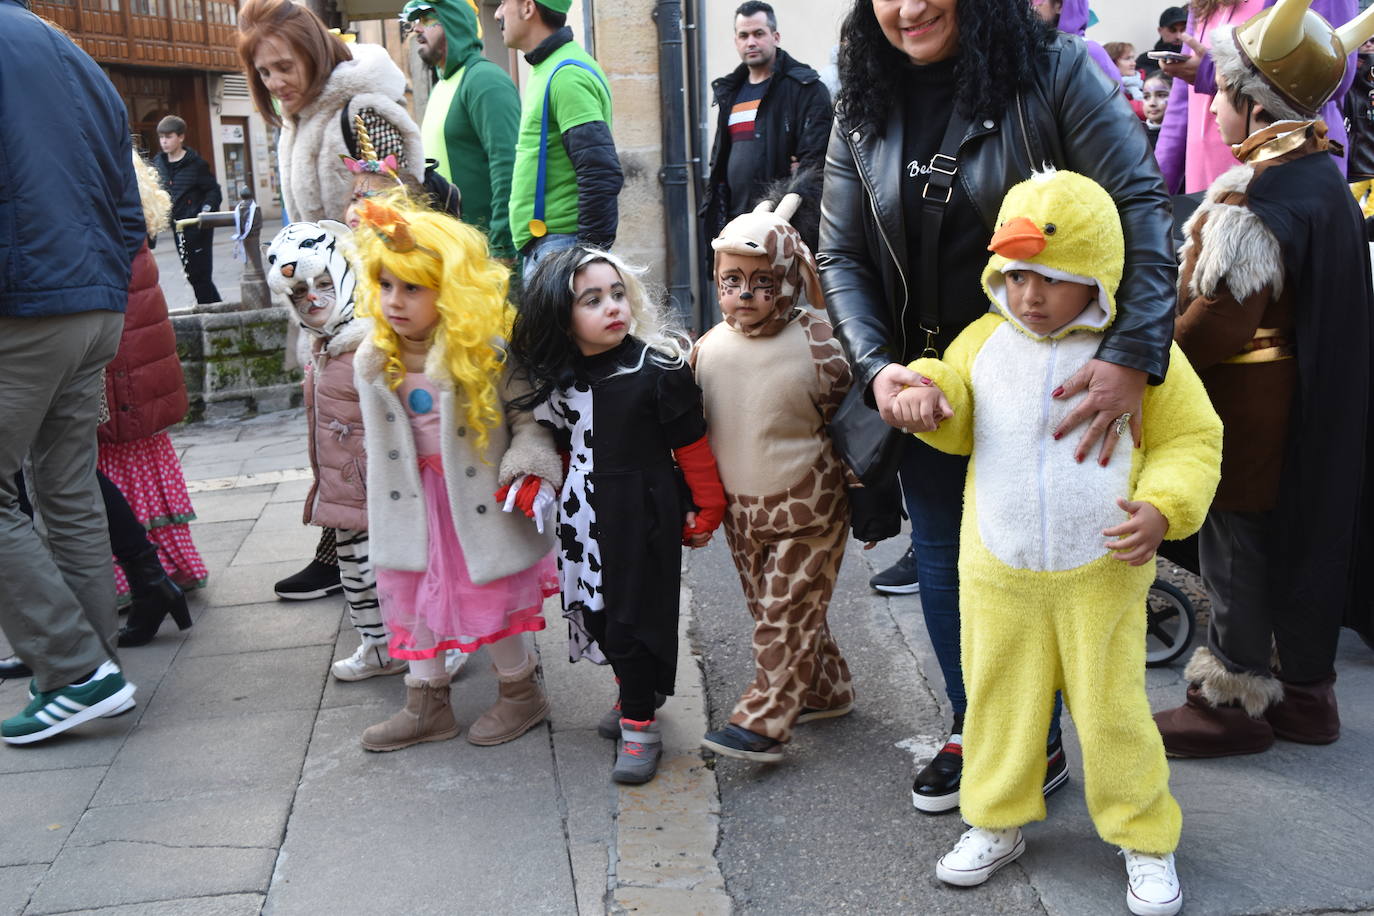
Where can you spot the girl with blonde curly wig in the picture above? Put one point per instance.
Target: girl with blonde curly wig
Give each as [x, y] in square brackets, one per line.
[454, 571]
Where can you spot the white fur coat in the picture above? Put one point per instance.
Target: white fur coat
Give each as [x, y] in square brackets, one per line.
[315, 183]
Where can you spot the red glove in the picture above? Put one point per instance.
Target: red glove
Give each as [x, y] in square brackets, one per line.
[524, 496]
[699, 468]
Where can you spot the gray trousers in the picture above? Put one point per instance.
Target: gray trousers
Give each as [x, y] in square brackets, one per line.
[1233, 551]
[57, 601]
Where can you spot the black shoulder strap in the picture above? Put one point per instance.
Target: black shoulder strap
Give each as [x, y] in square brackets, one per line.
[944, 166]
[346, 125]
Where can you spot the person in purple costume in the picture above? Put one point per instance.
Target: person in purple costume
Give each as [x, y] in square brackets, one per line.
[1198, 76]
[1072, 17]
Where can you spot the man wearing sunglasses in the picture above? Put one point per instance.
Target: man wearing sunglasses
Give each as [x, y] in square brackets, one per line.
[473, 115]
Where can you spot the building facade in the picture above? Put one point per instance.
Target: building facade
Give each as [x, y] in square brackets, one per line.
[178, 57]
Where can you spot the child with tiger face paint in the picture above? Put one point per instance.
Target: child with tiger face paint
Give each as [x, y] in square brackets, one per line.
[787, 514]
[311, 265]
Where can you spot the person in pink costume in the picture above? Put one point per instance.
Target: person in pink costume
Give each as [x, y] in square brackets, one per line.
[1190, 151]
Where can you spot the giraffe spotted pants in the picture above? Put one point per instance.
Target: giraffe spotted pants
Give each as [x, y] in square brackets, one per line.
[788, 547]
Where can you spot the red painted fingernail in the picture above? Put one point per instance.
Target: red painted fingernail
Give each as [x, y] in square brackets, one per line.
[1057, 392]
[1056, 436]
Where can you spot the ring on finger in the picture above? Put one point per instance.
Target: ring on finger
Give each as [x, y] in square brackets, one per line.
[1123, 424]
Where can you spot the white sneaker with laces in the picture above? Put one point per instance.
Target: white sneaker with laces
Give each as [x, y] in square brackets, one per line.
[978, 854]
[1152, 887]
[370, 660]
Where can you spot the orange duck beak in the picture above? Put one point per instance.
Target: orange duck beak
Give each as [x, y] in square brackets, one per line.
[1018, 240]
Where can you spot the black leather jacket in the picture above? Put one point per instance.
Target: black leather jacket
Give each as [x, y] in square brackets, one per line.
[1071, 116]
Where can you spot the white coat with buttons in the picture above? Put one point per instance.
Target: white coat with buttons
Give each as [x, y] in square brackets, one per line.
[495, 543]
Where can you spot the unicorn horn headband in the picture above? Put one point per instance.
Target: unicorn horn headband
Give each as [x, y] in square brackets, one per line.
[369, 163]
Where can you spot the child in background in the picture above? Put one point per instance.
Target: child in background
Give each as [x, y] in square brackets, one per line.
[311, 265]
[453, 571]
[1055, 558]
[1155, 102]
[1275, 308]
[610, 377]
[788, 512]
[1122, 54]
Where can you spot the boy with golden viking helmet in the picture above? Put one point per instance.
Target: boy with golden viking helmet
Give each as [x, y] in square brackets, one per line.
[1275, 313]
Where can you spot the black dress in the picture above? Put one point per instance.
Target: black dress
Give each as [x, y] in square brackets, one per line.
[621, 510]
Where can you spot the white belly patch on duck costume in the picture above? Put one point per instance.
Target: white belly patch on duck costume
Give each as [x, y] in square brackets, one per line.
[1037, 508]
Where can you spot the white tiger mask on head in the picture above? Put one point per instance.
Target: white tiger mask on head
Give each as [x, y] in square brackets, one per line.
[310, 265]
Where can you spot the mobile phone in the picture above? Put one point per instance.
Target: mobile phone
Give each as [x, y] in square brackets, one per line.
[1169, 57]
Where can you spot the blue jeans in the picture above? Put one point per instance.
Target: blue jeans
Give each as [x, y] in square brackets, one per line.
[539, 249]
[933, 490]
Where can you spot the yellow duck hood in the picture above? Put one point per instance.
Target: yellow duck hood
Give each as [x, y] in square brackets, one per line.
[1062, 225]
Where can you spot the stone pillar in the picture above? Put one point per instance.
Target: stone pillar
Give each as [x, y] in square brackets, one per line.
[627, 49]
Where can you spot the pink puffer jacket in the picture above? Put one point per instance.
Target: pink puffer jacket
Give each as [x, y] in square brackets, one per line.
[337, 454]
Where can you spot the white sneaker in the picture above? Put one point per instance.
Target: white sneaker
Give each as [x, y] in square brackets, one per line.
[454, 661]
[978, 854]
[370, 660]
[1152, 887]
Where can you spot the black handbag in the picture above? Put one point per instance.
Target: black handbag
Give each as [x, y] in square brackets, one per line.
[870, 447]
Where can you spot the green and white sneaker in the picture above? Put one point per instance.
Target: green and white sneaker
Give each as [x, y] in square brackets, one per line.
[54, 711]
[119, 710]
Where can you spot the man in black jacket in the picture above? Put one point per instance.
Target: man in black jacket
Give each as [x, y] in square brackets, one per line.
[187, 178]
[774, 119]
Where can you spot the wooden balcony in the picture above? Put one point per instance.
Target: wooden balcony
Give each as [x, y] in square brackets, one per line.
[181, 34]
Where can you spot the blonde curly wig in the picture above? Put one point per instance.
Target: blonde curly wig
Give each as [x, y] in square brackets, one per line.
[474, 316]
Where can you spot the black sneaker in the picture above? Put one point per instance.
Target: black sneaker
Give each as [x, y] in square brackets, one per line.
[1057, 767]
[742, 744]
[12, 666]
[899, 578]
[318, 580]
[936, 789]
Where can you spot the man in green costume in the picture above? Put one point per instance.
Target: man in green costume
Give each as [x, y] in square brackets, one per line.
[473, 115]
[567, 176]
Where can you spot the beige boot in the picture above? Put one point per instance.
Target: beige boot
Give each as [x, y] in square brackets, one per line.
[427, 716]
[520, 706]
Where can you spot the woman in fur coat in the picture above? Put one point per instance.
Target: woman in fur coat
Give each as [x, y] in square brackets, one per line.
[310, 83]
[302, 77]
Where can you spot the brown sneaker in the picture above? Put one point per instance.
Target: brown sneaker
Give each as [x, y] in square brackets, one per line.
[1307, 713]
[427, 716]
[520, 706]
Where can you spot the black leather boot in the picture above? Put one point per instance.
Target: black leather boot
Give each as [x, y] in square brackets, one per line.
[155, 596]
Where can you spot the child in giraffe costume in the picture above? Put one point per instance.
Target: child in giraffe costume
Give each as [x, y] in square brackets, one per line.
[773, 375]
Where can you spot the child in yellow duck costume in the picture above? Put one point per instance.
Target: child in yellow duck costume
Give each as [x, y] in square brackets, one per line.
[1046, 600]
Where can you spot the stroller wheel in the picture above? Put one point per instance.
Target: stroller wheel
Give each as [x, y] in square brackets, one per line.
[1169, 624]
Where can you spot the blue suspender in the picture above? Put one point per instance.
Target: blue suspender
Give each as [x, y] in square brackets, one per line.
[537, 227]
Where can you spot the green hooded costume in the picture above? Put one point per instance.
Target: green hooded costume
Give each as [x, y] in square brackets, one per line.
[472, 121]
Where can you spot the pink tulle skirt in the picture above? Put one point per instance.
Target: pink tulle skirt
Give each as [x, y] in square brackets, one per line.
[441, 608]
[149, 475]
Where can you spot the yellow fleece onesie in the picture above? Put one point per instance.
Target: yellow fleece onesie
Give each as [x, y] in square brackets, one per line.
[1044, 606]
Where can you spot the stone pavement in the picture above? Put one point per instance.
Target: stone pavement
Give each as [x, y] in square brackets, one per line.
[238, 785]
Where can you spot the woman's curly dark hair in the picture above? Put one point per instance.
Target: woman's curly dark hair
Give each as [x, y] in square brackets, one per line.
[998, 45]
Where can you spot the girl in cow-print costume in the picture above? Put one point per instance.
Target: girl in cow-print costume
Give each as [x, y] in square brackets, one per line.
[773, 376]
[613, 383]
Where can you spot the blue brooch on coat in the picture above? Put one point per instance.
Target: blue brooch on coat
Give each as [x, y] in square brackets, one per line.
[421, 401]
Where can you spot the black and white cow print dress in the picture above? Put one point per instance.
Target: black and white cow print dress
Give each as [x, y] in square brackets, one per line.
[621, 510]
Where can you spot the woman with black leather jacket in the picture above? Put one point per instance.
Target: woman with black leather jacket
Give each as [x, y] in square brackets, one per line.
[1022, 96]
